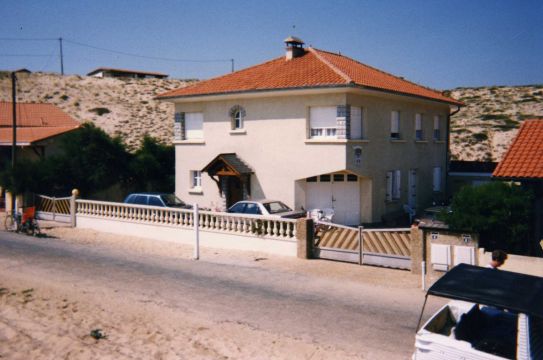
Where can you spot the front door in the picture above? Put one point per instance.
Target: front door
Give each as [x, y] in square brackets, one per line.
[234, 190]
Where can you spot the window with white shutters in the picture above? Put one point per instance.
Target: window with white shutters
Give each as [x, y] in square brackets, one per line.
[322, 122]
[393, 185]
[395, 125]
[419, 135]
[194, 126]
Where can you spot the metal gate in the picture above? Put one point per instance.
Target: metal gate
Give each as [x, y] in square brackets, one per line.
[381, 247]
[53, 208]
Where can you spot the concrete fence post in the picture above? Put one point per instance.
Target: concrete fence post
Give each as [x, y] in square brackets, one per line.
[196, 215]
[417, 250]
[304, 238]
[360, 245]
[73, 207]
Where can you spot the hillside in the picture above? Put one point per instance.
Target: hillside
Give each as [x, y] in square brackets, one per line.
[485, 127]
[124, 107]
[482, 130]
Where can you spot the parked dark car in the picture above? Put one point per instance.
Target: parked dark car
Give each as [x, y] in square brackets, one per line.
[156, 199]
[265, 207]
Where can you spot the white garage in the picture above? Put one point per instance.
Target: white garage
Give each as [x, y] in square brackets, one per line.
[340, 192]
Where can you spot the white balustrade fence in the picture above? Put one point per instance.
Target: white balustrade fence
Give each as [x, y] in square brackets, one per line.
[249, 225]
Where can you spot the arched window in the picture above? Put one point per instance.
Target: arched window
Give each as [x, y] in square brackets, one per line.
[237, 115]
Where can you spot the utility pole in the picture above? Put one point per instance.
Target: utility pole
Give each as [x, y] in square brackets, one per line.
[14, 140]
[232, 61]
[61, 57]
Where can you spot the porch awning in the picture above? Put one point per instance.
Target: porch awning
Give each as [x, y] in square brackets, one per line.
[227, 165]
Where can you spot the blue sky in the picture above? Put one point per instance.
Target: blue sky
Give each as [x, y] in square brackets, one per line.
[441, 44]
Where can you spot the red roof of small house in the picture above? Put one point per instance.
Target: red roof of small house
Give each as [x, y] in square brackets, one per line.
[35, 122]
[524, 158]
[314, 69]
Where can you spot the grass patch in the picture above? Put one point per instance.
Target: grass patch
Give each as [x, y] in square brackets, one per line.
[482, 136]
[494, 117]
[100, 111]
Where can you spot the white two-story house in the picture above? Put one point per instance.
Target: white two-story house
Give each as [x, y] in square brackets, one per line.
[313, 129]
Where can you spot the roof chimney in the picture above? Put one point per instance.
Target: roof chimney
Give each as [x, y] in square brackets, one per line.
[295, 47]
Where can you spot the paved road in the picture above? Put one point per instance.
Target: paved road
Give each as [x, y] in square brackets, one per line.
[351, 315]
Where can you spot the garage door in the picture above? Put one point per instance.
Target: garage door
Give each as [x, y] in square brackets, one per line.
[340, 192]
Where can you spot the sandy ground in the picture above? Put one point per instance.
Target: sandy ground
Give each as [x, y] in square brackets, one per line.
[42, 318]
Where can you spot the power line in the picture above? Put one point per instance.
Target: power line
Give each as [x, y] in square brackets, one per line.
[25, 55]
[145, 56]
[28, 39]
[73, 42]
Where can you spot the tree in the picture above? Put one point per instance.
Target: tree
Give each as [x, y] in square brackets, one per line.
[153, 166]
[501, 214]
[90, 160]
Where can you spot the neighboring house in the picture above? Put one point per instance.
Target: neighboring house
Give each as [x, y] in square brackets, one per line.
[38, 128]
[313, 129]
[523, 162]
[462, 173]
[123, 73]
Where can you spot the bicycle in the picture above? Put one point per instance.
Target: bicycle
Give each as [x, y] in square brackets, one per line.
[25, 222]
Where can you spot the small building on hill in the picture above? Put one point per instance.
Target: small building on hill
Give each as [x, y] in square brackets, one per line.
[523, 162]
[123, 73]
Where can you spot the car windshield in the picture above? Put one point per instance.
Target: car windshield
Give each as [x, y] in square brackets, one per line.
[276, 207]
[172, 200]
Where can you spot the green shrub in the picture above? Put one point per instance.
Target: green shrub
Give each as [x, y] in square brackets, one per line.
[100, 111]
[494, 117]
[499, 212]
[482, 136]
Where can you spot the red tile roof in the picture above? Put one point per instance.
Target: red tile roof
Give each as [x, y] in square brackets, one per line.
[34, 122]
[524, 159]
[314, 69]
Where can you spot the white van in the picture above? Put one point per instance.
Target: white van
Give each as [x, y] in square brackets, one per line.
[494, 315]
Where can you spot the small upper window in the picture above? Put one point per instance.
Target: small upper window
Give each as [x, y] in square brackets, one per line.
[437, 126]
[419, 135]
[395, 125]
[237, 116]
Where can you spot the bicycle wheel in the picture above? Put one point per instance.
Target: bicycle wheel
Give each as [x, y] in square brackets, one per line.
[9, 223]
[28, 228]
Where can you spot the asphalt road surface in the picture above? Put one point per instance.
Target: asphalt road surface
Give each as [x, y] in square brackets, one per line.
[378, 322]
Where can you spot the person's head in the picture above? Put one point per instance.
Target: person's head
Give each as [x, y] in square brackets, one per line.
[498, 258]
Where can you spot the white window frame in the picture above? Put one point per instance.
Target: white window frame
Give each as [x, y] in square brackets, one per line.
[357, 123]
[237, 120]
[395, 125]
[436, 179]
[437, 127]
[194, 125]
[195, 179]
[419, 133]
[323, 122]
[394, 190]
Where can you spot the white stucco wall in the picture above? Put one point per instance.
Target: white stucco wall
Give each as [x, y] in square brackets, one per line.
[275, 145]
[220, 240]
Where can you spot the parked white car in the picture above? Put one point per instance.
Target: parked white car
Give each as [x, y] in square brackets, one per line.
[494, 315]
[265, 207]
